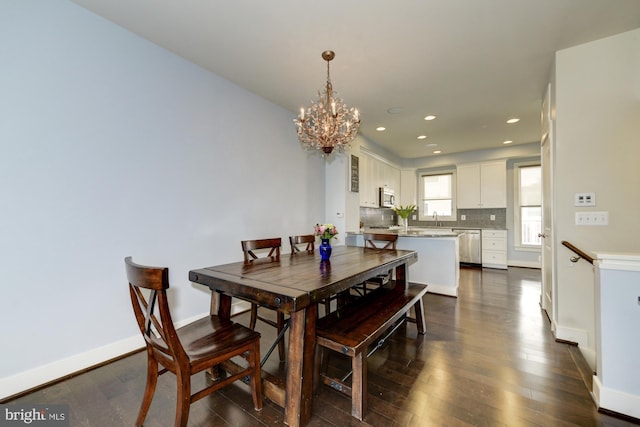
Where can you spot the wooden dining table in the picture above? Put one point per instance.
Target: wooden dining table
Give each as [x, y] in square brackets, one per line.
[294, 284]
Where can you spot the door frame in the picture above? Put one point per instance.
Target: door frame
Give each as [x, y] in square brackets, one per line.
[548, 291]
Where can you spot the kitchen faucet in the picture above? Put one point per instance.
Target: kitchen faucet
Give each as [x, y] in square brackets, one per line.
[435, 215]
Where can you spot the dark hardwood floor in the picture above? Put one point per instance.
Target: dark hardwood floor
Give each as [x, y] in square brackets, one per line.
[488, 359]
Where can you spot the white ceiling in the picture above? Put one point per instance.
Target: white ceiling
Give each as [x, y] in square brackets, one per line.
[472, 63]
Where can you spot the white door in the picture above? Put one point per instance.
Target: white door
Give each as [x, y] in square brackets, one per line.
[547, 296]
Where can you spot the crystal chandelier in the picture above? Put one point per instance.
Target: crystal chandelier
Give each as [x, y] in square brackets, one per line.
[328, 123]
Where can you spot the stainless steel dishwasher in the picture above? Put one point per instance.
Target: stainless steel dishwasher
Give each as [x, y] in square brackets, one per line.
[470, 250]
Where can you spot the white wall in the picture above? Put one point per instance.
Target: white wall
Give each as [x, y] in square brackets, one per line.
[112, 146]
[597, 129]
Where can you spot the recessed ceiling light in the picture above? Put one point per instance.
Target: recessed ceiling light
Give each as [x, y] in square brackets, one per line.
[422, 137]
[437, 152]
[507, 142]
[381, 128]
[513, 120]
[430, 117]
[431, 145]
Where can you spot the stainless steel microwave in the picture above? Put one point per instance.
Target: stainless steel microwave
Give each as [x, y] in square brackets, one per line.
[387, 197]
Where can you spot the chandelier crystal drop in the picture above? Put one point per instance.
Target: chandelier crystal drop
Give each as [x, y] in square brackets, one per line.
[327, 124]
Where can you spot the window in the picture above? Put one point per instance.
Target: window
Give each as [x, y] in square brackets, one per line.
[528, 212]
[437, 196]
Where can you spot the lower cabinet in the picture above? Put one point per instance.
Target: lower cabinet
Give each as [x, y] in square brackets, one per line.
[494, 248]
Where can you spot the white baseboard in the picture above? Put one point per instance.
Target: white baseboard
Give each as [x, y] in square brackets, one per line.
[615, 400]
[35, 377]
[578, 336]
[52, 371]
[525, 264]
[239, 306]
[589, 356]
[443, 290]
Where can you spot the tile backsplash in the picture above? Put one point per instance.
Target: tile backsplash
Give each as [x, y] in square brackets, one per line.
[378, 217]
[480, 218]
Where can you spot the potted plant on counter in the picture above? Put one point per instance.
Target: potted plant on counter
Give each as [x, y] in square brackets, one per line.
[404, 212]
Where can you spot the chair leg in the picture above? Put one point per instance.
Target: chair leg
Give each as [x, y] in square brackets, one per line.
[215, 372]
[183, 400]
[343, 299]
[319, 367]
[280, 323]
[256, 377]
[359, 385]
[254, 317]
[150, 388]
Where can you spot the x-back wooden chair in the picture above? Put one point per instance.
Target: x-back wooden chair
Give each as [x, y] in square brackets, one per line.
[204, 344]
[377, 241]
[249, 248]
[308, 239]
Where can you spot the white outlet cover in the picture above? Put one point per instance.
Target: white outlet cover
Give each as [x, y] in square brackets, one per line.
[585, 199]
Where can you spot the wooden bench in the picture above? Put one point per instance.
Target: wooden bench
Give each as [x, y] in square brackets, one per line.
[353, 328]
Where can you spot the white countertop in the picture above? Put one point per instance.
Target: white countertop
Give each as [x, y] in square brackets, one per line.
[412, 232]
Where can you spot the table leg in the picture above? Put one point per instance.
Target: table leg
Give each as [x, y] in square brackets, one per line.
[299, 387]
[220, 305]
[402, 276]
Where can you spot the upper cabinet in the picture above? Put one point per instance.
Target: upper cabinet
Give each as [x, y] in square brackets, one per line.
[482, 185]
[389, 177]
[374, 174]
[368, 190]
[408, 184]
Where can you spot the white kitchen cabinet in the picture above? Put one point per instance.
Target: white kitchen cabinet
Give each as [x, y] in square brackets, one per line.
[494, 249]
[388, 176]
[368, 190]
[408, 185]
[468, 186]
[482, 185]
[394, 180]
[378, 174]
[374, 174]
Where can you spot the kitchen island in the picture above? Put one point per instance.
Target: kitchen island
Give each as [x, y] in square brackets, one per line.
[438, 262]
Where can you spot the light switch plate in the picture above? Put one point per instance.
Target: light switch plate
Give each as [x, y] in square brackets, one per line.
[592, 218]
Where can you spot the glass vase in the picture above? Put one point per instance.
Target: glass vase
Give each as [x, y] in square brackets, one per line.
[405, 224]
[325, 250]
